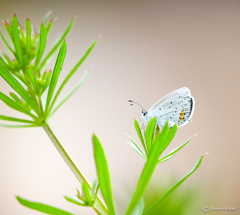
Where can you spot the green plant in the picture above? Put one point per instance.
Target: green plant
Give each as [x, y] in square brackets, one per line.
[25, 72]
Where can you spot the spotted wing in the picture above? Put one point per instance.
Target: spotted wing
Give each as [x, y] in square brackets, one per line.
[176, 107]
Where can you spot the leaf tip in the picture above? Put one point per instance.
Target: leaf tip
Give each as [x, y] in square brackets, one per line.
[98, 37]
[4, 22]
[48, 13]
[54, 19]
[94, 137]
[73, 19]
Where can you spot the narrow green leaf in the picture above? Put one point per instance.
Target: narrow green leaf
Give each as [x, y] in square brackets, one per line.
[46, 82]
[45, 17]
[33, 80]
[49, 25]
[12, 119]
[15, 105]
[6, 42]
[157, 133]
[9, 30]
[74, 201]
[139, 209]
[95, 188]
[174, 187]
[72, 91]
[21, 78]
[169, 138]
[81, 197]
[55, 75]
[148, 169]
[42, 207]
[17, 42]
[103, 174]
[22, 37]
[43, 41]
[149, 133]
[136, 147]
[74, 70]
[17, 126]
[57, 44]
[165, 159]
[86, 192]
[44, 75]
[18, 88]
[15, 97]
[28, 37]
[2, 61]
[140, 135]
[168, 156]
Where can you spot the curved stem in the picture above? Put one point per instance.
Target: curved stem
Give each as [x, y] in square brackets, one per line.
[99, 206]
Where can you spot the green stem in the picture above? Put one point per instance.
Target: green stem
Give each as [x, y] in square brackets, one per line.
[99, 206]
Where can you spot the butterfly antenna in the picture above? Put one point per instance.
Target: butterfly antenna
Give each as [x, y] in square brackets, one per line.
[135, 103]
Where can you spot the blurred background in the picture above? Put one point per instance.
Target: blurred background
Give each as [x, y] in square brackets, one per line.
[147, 50]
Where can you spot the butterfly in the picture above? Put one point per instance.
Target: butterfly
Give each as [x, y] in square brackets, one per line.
[177, 107]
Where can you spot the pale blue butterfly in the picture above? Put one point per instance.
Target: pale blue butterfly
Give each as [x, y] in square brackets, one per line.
[177, 107]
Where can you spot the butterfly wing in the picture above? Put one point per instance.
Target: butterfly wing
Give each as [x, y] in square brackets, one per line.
[177, 107]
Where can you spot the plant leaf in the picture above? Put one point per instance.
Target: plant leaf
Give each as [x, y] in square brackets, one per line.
[169, 138]
[43, 41]
[33, 80]
[18, 88]
[55, 75]
[42, 207]
[46, 82]
[57, 44]
[174, 187]
[86, 192]
[157, 133]
[8, 118]
[74, 201]
[168, 156]
[17, 126]
[17, 42]
[149, 133]
[49, 26]
[9, 30]
[15, 105]
[95, 188]
[137, 128]
[15, 97]
[6, 42]
[4, 63]
[45, 17]
[72, 91]
[103, 174]
[136, 147]
[139, 209]
[28, 35]
[73, 71]
[148, 169]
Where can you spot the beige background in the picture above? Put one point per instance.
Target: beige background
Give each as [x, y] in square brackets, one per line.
[147, 50]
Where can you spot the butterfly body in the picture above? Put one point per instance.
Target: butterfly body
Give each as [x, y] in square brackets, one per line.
[177, 107]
